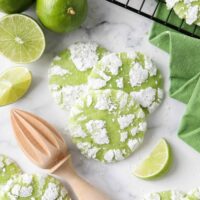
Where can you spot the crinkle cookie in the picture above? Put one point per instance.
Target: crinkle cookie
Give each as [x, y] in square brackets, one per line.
[168, 195]
[194, 194]
[69, 72]
[107, 125]
[131, 72]
[186, 9]
[34, 187]
[8, 169]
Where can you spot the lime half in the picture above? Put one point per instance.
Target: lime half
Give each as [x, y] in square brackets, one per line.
[21, 38]
[14, 83]
[157, 163]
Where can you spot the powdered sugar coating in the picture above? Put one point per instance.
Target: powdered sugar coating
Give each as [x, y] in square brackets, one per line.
[169, 195]
[66, 96]
[194, 194]
[145, 97]
[177, 195]
[107, 125]
[34, 186]
[57, 70]
[123, 136]
[153, 196]
[135, 74]
[125, 120]
[8, 169]
[98, 131]
[112, 63]
[171, 3]
[84, 55]
[120, 83]
[186, 9]
[69, 72]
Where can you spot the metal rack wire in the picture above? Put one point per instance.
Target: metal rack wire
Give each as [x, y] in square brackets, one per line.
[139, 7]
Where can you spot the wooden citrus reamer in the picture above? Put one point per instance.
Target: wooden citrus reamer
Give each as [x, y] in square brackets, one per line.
[46, 148]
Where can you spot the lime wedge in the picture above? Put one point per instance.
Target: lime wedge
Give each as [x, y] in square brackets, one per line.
[21, 38]
[14, 83]
[157, 163]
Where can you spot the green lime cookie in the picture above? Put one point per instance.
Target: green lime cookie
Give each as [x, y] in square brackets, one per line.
[107, 125]
[194, 194]
[8, 169]
[131, 72]
[167, 195]
[34, 187]
[186, 9]
[69, 72]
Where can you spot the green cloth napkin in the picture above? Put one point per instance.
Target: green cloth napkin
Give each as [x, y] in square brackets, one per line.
[184, 73]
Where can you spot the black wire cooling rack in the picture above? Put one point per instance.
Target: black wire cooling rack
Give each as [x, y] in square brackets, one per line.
[149, 8]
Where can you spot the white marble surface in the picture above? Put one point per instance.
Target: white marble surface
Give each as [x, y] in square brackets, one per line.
[116, 29]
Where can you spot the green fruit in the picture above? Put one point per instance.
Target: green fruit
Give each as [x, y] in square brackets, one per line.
[21, 38]
[14, 83]
[62, 15]
[157, 163]
[14, 6]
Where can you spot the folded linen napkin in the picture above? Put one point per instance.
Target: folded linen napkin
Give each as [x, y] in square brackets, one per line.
[184, 73]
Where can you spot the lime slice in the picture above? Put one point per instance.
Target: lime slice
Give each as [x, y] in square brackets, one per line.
[157, 163]
[14, 83]
[21, 38]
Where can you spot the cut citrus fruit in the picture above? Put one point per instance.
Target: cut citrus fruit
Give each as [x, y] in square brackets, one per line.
[21, 38]
[14, 83]
[157, 163]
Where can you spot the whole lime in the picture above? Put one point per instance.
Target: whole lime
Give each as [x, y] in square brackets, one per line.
[14, 6]
[62, 15]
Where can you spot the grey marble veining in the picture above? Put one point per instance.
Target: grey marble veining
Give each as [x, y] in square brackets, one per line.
[116, 29]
